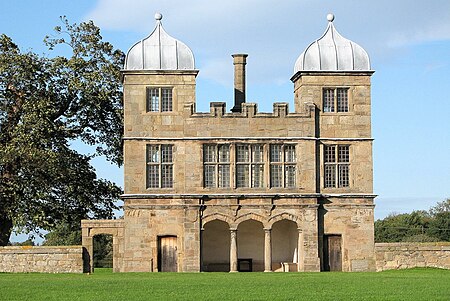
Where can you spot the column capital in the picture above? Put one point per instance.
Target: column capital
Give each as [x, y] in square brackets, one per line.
[267, 229]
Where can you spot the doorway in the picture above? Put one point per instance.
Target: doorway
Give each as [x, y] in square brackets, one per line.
[332, 253]
[167, 254]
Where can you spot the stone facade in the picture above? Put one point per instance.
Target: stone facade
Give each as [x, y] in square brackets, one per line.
[394, 256]
[273, 209]
[28, 259]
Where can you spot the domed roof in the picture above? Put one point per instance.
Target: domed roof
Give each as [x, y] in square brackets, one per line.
[159, 51]
[333, 52]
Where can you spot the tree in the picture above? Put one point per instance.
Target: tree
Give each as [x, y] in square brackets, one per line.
[103, 251]
[440, 226]
[417, 226]
[64, 234]
[46, 103]
[440, 207]
[402, 227]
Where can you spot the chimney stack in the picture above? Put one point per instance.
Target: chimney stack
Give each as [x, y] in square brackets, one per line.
[239, 62]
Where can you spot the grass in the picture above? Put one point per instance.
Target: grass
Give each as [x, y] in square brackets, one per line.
[415, 284]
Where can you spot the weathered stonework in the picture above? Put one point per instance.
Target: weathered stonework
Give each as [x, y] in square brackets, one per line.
[394, 256]
[30, 259]
[231, 228]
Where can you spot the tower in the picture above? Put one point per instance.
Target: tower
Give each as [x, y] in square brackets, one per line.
[334, 73]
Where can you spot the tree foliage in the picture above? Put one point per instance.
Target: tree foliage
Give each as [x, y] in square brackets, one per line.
[417, 226]
[47, 103]
[64, 234]
[103, 251]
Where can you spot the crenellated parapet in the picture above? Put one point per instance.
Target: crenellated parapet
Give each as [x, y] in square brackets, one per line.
[250, 110]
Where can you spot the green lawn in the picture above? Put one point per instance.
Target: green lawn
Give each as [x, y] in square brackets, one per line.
[416, 284]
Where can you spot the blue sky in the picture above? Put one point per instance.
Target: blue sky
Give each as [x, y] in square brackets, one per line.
[409, 47]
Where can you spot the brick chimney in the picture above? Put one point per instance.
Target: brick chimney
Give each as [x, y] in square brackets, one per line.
[239, 62]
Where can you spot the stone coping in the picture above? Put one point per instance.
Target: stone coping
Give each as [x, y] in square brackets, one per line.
[113, 223]
[411, 246]
[41, 249]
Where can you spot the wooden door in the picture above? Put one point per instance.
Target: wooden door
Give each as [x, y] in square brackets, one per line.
[167, 254]
[332, 253]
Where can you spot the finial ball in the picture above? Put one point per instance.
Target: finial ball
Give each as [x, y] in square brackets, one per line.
[330, 17]
[158, 17]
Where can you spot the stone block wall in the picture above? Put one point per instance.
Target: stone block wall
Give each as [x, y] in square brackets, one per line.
[30, 259]
[392, 256]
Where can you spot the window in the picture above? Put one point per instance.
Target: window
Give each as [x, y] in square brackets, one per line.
[337, 166]
[249, 165]
[282, 165]
[335, 100]
[159, 99]
[159, 166]
[216, 169]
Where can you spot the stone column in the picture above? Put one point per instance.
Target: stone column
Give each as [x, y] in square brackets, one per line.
[239, 62]
[233, 251]
[267, 250]
[300, 259]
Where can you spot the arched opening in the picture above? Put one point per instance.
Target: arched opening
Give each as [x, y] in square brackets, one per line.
[103, 251]
[250, 242]
[284, 246]
[216, 247]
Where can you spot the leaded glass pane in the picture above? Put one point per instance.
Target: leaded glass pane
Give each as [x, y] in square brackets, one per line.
[330, 153]
[289, 177]
[209, 153]
[343, 153]
[153, 154]
[276, 176]
[257, 153]
[276, 154]
[343, 170]
[330, 176]
[328, 100]
[166, 153]
[242, 175]
[257, 175]
[210, 175]
[153, 176]
[242, 153]
[166, 104]
[289, 151]
[224, 153]
[166, 176]
[224, 175]
[153, 99]
[342, 99]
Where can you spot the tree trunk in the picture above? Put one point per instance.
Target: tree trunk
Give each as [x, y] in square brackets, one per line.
[6, 226]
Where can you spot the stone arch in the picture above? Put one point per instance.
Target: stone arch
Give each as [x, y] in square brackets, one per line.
[90, 228]
[249, 216]
[285, 242]
[215, 246]
[282, 216]
[217, 216]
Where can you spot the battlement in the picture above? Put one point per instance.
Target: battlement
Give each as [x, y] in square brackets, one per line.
[250, 110]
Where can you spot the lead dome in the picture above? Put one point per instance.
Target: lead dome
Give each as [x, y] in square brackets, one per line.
[159, 51]
[333, 52]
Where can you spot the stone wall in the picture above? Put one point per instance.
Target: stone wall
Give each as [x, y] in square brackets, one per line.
[391, 256]
[27, 259]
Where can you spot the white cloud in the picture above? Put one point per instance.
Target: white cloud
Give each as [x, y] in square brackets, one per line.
[274, 33]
